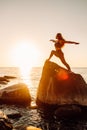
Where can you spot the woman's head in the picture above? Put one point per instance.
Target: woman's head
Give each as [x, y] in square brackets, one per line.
[59, 36]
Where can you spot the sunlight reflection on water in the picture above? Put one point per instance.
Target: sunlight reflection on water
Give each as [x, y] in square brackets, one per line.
[25, 76]
[31, 77]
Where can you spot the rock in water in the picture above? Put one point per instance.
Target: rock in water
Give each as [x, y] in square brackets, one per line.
[33, 128]
[5, 124]
[16, 94]
[58, 87]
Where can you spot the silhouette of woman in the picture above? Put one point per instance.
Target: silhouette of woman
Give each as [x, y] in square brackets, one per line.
[59, 43]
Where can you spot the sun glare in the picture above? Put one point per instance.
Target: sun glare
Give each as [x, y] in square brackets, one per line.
[25, 56]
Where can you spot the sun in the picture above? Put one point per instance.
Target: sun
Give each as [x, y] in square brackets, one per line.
[25, 55]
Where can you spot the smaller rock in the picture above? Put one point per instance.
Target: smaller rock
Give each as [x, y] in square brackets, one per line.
[14, 115]
[33, 128]
[3, 80]
[16, 94]
[11, 113]
[5, 124]
[9, 77]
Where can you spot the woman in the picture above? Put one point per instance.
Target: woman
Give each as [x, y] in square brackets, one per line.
[59, 43]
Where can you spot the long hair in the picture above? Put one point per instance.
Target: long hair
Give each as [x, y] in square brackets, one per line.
[59, 35]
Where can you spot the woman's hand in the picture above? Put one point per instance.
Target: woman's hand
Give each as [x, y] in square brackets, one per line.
[77, 43]
[52, 40]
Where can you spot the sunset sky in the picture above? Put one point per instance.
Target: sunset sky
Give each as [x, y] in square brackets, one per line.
[26, 26]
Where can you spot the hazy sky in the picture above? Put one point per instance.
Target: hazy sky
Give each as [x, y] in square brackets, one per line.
[36, 22]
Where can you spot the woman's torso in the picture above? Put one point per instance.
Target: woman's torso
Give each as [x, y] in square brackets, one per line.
[59, 44]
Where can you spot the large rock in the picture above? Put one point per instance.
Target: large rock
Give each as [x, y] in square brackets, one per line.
[60, 87]
[15, 94]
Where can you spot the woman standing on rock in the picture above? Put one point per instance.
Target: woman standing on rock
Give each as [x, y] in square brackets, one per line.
[59, 43]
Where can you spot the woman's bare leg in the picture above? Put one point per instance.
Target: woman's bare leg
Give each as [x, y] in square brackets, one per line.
[61, 56]
[65, 63]
[52, 53]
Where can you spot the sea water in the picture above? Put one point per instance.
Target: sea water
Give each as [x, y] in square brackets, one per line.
[33, 116]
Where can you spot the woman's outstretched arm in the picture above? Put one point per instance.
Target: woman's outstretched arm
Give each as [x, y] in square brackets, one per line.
[52, 40]
[71, 42]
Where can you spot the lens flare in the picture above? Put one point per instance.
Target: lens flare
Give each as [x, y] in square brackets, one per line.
[62, 75]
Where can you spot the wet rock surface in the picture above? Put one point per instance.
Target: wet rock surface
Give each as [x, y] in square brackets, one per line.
[5, 123]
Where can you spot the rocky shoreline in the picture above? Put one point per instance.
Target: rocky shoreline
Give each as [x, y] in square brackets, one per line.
[60, 94]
